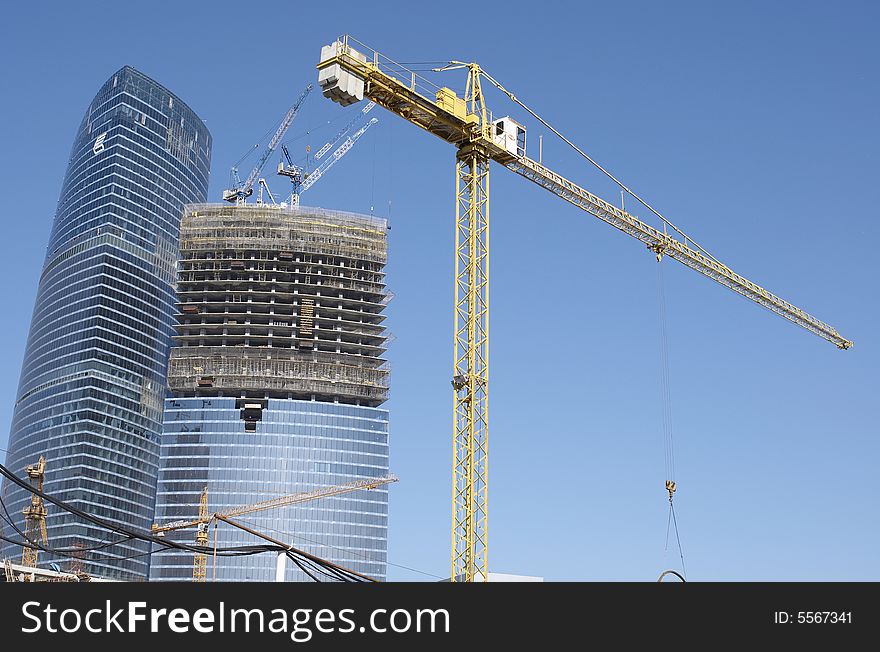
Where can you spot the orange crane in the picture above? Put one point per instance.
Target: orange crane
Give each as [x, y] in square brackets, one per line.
[204, 518]
[349, 71]
[35, 515]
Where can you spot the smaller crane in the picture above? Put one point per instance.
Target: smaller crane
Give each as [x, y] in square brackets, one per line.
[35, 515]
[303, 180]
[241, 191]
[327, 146]
[204, 518]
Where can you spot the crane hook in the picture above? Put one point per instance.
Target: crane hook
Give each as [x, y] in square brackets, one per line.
[670, 487]
[658, 249]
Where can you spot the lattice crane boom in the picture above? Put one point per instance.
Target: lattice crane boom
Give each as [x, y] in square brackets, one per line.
[303, 180]
[663, 244]
[348, 72]
[242, 191]
[281, 501]
[307, 496]
[330, 144]
[338, 153]
[200, 559]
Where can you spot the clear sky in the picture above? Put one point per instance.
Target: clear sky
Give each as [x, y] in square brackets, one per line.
[752, 125]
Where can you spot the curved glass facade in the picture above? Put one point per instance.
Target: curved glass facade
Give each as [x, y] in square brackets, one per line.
[298, 446]
[94, 373]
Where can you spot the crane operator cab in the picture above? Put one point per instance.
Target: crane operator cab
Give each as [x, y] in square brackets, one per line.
[510, 135]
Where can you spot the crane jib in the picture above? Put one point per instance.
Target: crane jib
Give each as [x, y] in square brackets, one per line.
[671, 247]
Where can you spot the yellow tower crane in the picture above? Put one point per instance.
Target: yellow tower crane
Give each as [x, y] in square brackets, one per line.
[35, 515]
[349, 71]
[200, 561]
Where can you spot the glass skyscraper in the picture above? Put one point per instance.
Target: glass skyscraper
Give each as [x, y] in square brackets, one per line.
[94, 373]
[276, 380]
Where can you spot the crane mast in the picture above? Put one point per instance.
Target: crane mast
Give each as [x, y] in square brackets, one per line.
[348, 72]
[200, 559]
[35, 515]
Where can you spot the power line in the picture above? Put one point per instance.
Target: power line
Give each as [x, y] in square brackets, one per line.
[235, 551]
[6, 516]
[345, 550]
[316, 563]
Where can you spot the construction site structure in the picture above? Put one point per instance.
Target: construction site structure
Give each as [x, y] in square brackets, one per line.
[277, 377]
[13, 572]
[281, 303]
[36, 534]
[35, 515]
[200, 559]
[272, 503]
[348, 72]
[205, 518]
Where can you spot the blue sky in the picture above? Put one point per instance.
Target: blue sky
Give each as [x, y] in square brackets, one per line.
[751, 125]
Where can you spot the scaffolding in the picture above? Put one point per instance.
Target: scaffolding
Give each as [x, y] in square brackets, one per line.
[277, 374]
[281, 302]
[216, 227]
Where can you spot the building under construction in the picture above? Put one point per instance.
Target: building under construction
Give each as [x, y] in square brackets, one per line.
[276, 379]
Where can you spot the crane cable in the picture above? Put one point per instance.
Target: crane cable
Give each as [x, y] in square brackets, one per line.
[666, 408]
[592, 161]
[665, 398]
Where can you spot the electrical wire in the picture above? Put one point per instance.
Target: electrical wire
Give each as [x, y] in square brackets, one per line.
[120, 557]
[316, 564]
[340, 574]
[50, 549]
[329, 573]
[234, 551]
[302, 568]
[71, 553]
[345, 550]
[8, 518]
